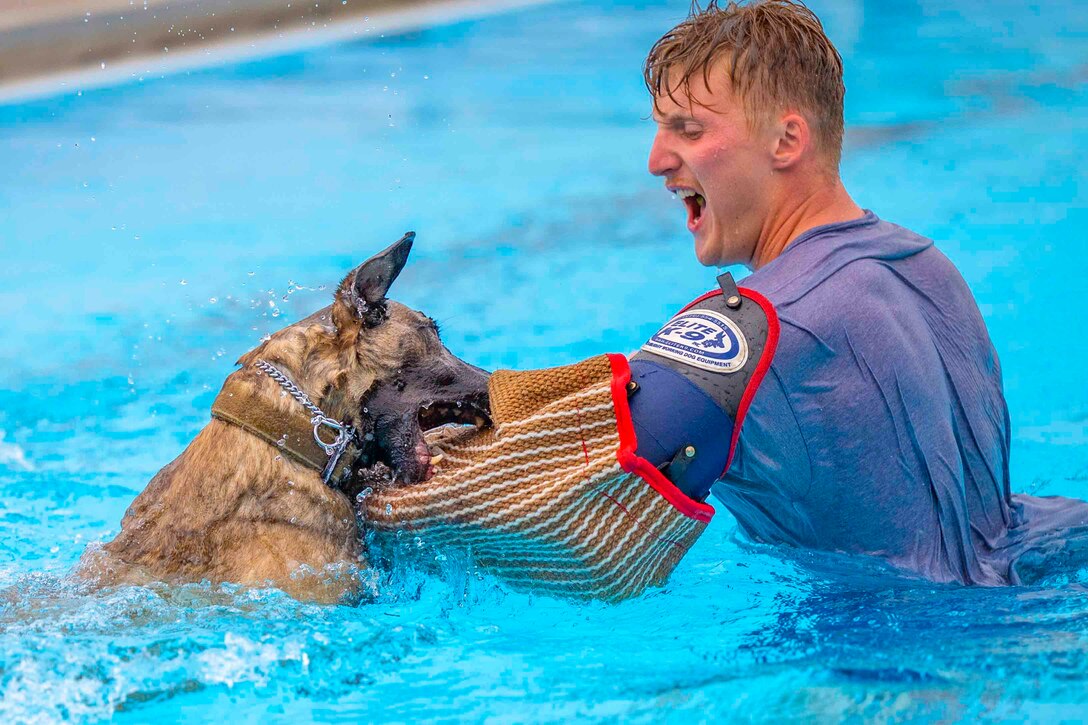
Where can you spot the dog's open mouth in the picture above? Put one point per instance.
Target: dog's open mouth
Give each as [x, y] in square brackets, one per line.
[436, 414]
[402, 440]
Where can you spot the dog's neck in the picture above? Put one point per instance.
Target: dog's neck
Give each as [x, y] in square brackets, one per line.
[302, 365]
[305, 434]
[320, 358]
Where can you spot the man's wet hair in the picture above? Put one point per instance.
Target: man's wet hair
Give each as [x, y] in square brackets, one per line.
[775, 53]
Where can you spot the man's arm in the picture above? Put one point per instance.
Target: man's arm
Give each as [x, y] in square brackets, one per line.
[693, 381]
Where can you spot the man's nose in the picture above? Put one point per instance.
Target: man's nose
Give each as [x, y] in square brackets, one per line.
[663, 161]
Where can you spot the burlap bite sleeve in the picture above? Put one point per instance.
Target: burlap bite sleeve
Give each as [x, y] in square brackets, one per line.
[553, 498]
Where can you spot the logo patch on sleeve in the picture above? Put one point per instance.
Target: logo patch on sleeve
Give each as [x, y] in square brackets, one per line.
[702, 338]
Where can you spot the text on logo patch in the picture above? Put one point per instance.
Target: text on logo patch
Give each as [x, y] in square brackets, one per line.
[703, 339]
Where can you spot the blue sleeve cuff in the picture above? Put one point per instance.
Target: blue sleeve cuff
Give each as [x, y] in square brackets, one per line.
[669, 412]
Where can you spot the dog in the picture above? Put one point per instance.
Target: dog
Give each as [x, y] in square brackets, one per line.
[259, 499]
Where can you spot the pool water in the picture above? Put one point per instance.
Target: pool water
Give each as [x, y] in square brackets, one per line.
[154, 231]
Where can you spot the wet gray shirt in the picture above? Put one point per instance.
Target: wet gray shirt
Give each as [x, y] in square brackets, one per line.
[881, 426]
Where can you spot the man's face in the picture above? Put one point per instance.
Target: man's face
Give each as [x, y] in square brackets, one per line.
[719, 167]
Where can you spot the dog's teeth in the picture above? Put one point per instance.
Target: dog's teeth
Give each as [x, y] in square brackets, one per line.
[437, 458]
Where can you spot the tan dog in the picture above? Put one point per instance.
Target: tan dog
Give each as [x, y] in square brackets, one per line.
[247, 500]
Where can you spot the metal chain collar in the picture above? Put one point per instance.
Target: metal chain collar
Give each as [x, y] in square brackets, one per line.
[345, 434]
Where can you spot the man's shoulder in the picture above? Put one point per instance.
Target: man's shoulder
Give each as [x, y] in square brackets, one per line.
[873, 290]
[859, 271]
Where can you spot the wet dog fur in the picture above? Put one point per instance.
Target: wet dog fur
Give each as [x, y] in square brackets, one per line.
[233, 508]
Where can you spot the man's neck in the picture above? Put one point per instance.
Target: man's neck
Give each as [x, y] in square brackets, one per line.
[823, 205]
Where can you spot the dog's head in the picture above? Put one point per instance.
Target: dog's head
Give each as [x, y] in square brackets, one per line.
[381, 366]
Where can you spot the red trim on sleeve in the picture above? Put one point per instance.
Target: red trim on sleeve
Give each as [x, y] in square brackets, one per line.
[631, 462]
[761, 369]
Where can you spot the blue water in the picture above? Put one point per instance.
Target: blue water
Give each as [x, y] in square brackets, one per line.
[154, 231]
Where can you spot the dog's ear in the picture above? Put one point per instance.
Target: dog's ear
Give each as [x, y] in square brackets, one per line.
[366, 286]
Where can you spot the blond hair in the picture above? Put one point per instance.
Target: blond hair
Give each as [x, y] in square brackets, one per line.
[778, 58]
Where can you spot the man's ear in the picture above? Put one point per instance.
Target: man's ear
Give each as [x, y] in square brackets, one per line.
[367, 285]
[791, 141]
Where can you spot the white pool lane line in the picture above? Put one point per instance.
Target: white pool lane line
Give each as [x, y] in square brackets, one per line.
[231, 49]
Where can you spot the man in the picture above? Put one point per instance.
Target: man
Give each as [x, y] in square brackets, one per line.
[846, 398]
[880, 426]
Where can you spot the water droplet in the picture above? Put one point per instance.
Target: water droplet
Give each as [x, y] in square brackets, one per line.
[183, 282]
[389, 510]
[213, 300]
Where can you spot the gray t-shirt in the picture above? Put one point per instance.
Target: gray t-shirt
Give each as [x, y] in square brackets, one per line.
[881, 427]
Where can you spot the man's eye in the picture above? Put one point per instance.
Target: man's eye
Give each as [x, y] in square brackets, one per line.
[691, 131]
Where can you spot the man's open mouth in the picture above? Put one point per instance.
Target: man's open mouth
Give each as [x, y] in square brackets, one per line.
[695, 203]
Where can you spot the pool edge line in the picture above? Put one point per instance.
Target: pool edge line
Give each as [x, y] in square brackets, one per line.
[254, 46]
